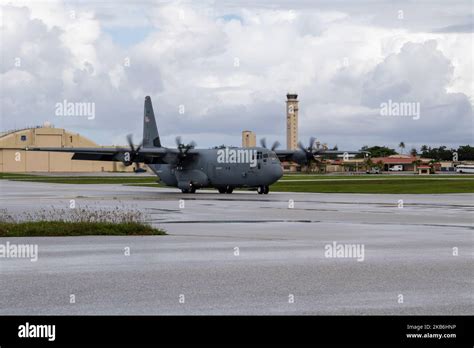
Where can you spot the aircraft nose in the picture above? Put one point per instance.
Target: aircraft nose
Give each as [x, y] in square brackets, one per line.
[277, 172]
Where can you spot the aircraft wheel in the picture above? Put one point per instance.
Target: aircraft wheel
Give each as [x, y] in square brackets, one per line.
[222, 190]
[184, 190]
[260, 190]
[192, 189]
[229, 189]
[266, 189]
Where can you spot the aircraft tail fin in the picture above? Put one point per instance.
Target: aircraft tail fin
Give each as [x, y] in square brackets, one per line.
[151, 138]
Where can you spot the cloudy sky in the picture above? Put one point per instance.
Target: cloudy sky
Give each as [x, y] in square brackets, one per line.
[227, 66]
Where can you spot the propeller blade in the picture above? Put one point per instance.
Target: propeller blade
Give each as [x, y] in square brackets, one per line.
[183, 149]
[130, 142]
[311, 143]
[263, 142]
[275, 145]
[301, 146]
[178, 141]
[136, 152]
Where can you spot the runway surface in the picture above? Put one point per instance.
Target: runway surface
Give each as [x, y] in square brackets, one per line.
[281, 254]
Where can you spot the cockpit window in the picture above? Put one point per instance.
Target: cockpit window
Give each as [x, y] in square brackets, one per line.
[265, 155]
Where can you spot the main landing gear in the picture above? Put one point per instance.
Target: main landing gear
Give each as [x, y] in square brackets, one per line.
[191, 189]
[226, 189]
[260, 189]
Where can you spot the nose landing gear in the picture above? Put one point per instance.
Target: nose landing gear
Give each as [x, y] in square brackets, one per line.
[227, 189]
[263, 190]
[191, 189]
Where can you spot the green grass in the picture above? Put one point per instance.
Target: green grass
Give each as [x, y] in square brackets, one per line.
[80, 179]
[373, 177]
[152, 180]
[440, 183]
[62, 228]
[372, 186]
[427, 186]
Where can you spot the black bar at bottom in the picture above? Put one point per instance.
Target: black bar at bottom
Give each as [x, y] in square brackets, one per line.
[411, 330]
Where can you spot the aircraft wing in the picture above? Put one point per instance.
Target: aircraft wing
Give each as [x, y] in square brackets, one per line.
[119, 154]
[287, 155]
[302, 157]
[337, 152]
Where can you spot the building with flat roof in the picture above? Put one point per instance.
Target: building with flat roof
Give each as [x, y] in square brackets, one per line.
[249, 139]
[408, 163]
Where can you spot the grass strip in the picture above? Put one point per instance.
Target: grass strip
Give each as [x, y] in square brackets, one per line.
[64, 228]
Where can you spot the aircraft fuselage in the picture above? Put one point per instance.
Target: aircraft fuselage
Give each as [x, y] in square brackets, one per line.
[225, 168]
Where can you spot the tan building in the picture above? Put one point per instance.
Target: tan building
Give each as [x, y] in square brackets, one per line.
[408, 162]
[249, 139]
[424, 170]
[292, 121]
[14, 159]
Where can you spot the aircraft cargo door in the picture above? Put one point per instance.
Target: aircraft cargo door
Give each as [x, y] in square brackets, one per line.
[215, 172]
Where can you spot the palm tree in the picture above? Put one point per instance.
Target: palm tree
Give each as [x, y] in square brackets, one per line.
[369, 164]
[432, 164]
[380, 165]
[401, 146]
[416, 164]
[413, 152]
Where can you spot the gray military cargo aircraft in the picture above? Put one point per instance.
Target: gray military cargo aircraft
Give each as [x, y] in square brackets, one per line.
[188, 168]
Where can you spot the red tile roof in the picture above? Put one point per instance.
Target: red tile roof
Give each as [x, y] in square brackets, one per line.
[398, 160]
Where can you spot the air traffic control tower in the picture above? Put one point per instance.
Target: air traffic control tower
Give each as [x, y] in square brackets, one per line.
[292, 121]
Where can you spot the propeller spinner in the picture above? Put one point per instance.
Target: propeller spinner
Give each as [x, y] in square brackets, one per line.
[183, 148]
[308, 151]
[132, 156]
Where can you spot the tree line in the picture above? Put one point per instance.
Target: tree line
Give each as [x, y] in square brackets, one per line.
[442, 153]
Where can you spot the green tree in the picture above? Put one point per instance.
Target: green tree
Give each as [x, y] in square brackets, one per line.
[378, 151]
[416, 164]
[401, 146]
[441, 153]
[465, 153]
[369, 164]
